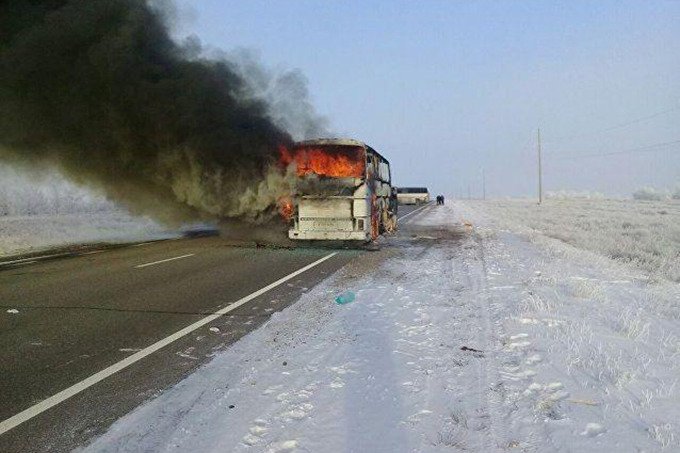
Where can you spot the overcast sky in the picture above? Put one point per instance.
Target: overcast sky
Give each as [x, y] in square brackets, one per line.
[445, 89]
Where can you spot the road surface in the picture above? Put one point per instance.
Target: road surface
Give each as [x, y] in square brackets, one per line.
[85, 339]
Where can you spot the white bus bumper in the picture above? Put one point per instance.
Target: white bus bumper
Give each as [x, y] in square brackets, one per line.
[313, 235]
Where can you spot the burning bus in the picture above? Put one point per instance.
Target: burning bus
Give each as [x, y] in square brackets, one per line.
[344, 191]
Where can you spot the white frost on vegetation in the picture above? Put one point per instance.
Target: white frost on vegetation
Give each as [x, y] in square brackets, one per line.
[648, 193]
[574, 194]
[27, 234]
[644, 234]
[676, 193]
[45, 193]
[42, 210]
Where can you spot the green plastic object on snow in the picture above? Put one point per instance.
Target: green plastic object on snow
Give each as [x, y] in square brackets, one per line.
[345, 298]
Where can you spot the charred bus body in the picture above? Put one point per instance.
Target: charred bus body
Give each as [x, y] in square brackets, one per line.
[344, 191]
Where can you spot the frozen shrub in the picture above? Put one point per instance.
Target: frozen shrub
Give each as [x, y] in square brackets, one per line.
[648, 193]
[574, 194]
[676, 193]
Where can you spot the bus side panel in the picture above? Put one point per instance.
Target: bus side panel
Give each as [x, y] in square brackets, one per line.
[382, 218]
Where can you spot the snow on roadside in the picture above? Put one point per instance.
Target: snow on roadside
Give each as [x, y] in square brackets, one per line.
[475, 341]
[24, 234]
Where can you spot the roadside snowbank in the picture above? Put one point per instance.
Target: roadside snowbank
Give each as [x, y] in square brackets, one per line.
[23, 234]
[46, 192]
[40, 210]
[473, 341]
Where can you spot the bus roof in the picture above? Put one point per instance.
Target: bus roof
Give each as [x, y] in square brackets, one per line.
[332, 142]
[339, 142]
[406, 190]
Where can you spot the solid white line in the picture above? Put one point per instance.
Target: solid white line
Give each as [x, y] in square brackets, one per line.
[34, 258]
[52, 401]
[141, 244]
[413, 212]
[139, 266]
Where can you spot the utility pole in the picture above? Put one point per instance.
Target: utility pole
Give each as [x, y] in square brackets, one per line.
[540, 171]
[483, 185]
[469, 197]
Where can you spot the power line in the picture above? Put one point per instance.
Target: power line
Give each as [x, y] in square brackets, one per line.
[615, 127]
[643, 149]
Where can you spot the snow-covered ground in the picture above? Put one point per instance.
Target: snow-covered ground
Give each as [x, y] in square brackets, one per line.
[24, 234]
[461, 338]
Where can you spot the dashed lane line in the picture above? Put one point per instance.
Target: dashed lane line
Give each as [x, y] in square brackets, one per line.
[65, 394]
[139, 266]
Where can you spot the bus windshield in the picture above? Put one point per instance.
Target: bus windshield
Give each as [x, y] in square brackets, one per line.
[331, 161]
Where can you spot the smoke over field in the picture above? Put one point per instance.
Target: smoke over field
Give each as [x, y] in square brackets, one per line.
[98, 90]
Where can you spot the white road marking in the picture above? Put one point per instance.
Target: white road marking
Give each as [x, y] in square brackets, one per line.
[139, 266]
[413, 212]
[53, 400]
[144, 243]
[24, 263]
[34, 258]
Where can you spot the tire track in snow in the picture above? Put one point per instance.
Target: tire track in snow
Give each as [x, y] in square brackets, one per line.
[489, 382]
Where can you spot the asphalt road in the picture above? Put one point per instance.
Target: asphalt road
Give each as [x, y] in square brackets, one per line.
[64, 320]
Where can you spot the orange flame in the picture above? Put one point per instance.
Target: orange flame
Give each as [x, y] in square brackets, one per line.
[331, 161]
[286, 208]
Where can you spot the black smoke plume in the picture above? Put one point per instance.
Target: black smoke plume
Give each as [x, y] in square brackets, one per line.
[99, 90]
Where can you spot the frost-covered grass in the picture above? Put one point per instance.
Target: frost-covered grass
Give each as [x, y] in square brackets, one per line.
[572, 194]
[45, 193]
[43, 210]
[643, 233]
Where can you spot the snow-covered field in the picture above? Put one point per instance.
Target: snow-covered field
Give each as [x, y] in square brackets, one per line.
[461, 338]
[643, 233]
[23, 234]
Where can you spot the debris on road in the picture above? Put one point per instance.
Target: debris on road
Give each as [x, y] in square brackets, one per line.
[476, 351]
[345, 298]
